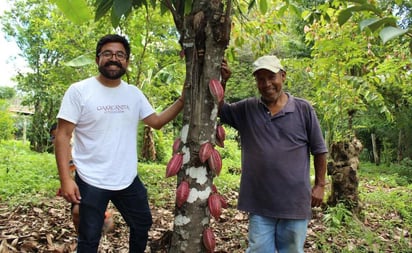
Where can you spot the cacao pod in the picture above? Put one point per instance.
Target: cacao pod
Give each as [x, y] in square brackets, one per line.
[174, 165]
[216, 90]
[220, 136]
[205, 151]
[209, 240]
[176, 145]
[214, 189]
[215, 162]
[182, 193]
[215, 205]
[223, 201]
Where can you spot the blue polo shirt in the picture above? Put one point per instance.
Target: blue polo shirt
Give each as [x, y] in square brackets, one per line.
[275, 179]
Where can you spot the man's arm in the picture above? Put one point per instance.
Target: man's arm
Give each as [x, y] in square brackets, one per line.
[318, 189]
[158, 120]
[69, 189]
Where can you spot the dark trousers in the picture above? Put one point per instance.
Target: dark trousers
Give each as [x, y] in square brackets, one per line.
[132, 203]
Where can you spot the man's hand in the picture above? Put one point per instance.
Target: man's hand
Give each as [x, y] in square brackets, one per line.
[225, 72]
[70, 191]
[317, 195]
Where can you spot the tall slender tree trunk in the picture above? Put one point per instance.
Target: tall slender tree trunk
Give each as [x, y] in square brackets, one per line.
[400, 146]
[376, 157]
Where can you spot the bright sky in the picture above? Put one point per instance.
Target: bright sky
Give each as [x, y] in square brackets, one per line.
[10, 62]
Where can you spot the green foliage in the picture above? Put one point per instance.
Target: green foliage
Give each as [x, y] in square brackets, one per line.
[7, 92]
[230, 153]
[357, 83]
[6, 122]
[387, 25]
[82, 13]
[404, 170]
[242, 84]
[337, 216]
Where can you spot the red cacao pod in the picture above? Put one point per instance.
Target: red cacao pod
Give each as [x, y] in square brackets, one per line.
[220, 136]
[215, 162]
[176, 145]
[205, 151]
[209, 240]
[214, 189]
[216, 90]
[215, 205]
[223, 201]
[174, 165]
[182, 193]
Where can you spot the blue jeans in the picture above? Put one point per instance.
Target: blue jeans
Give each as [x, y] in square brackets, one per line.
[132, 203]
[270, 235]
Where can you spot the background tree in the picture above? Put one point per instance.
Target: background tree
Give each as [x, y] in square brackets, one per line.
[46, 42]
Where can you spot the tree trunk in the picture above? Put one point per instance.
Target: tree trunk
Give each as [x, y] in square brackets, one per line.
[376, 158]
[37, 130]
[327, 140]
[400, 145]
[205, 37]
[148, 152]
[343, 169]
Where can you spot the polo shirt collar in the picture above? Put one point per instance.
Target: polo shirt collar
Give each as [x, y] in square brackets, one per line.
[290, 104]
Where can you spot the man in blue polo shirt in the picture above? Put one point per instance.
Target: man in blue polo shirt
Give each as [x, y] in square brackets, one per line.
[278, 134]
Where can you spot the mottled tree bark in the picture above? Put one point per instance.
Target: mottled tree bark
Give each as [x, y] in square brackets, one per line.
[148, 152]
[343, 168]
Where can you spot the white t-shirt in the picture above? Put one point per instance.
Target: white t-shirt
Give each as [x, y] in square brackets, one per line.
[106, 119]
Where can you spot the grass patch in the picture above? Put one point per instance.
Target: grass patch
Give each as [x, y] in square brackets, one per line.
[26, 176]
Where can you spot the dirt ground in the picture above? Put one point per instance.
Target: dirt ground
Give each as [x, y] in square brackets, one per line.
[47, 227]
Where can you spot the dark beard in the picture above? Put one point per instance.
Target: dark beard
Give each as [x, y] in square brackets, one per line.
[110, 74]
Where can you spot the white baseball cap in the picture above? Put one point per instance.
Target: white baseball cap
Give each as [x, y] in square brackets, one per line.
[269, 62]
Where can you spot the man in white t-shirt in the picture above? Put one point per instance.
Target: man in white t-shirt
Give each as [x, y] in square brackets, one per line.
[105, 111]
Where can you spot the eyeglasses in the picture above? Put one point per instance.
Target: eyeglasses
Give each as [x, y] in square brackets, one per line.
[108, 55]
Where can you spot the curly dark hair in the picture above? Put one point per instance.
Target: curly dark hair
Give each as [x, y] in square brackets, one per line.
[113, 38]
